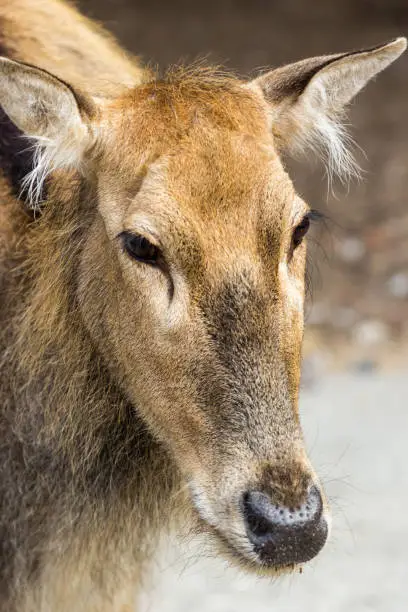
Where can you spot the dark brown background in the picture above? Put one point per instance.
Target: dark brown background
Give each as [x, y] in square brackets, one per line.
[361, 297]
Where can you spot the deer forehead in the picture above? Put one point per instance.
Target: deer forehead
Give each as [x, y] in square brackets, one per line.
[221, 186]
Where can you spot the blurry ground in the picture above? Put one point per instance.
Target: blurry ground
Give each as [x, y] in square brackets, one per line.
[356, 427]
[360, 297]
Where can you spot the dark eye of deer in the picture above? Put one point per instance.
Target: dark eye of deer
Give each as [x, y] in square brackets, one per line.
[138, 247]
[300, 231]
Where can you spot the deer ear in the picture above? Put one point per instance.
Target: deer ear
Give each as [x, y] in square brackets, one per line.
[49, 111]
[307, 99]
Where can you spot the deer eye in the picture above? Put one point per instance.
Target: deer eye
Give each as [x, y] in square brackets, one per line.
[300, 231]
[138, 247]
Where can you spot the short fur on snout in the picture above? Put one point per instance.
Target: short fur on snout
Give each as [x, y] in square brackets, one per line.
[141, 392]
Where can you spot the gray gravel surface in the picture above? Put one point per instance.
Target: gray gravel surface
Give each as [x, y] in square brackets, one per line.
[357, 432]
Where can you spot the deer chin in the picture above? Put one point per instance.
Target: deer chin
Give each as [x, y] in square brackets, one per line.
[230, 540]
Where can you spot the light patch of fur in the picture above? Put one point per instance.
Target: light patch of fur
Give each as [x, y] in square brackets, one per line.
[202, 504]
[325, 135]
[291, 289]
[50, 155]
[230, 527]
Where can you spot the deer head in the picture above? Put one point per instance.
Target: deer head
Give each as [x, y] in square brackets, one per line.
[191, 278]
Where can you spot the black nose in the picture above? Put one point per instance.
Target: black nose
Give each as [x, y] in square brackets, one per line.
[282, 535]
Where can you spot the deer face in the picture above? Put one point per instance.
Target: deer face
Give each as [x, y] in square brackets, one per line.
[204, 312]
[191, 281]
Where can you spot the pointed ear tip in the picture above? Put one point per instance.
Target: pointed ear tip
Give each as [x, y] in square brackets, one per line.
[397, 46]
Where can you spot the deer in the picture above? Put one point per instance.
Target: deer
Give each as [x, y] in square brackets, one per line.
[153, 254]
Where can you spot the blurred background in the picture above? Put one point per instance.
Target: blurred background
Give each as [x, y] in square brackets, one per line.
[356, 349]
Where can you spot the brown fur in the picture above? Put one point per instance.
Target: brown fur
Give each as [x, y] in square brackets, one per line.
[52, 35]
[130, 392]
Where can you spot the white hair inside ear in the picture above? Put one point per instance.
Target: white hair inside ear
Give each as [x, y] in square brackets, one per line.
[307, 101]
[48, 112]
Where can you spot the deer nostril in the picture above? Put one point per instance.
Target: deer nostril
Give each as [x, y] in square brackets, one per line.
[285, 535]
